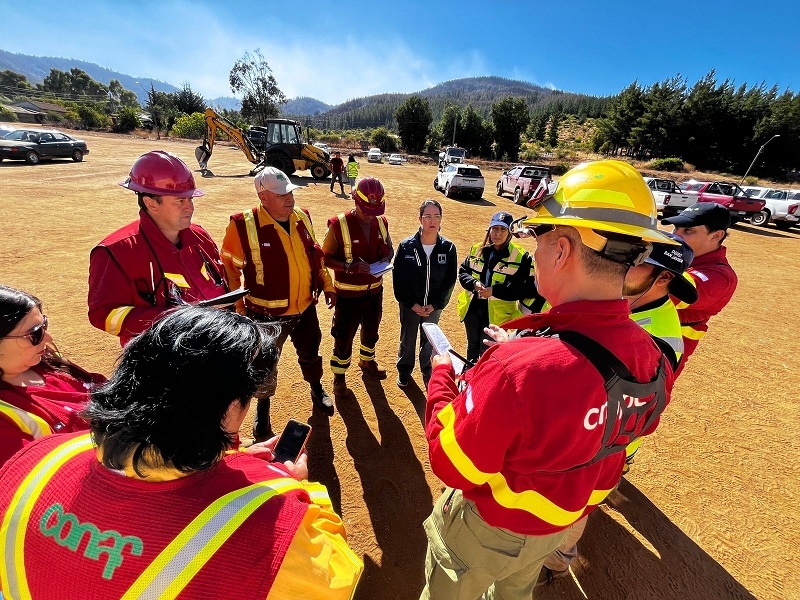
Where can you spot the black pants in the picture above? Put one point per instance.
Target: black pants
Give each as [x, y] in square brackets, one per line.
[350, 313]
[476, 319]
[306, 338]
[410, 328]
[340, 177]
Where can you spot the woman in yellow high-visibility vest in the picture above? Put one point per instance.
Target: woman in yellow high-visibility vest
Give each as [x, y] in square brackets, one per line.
[40, 392]
[494, 276]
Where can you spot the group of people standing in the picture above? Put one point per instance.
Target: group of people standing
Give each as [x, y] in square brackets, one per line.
[529, 440]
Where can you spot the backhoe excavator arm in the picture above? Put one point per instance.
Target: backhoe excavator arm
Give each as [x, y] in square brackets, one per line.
[216, 122]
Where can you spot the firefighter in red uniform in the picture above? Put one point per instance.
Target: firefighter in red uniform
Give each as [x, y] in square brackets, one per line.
[274, 248]
[355, 240]
[154, 503]
[157, 262]
[704, 226]
[537, 437]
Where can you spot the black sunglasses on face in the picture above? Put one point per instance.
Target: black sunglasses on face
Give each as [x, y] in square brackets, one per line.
[35, 335]
[540, 230]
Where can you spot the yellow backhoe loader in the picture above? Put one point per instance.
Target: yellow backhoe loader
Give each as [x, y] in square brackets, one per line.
[278, 144]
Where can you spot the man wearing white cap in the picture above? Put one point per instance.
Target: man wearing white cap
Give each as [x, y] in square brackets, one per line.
[272, 246]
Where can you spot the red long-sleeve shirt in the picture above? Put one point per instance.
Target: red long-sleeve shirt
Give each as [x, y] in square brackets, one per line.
[126, 289]
[715, 281]
[533, 409]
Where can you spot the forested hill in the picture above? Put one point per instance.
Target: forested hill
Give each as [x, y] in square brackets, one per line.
[479, 92]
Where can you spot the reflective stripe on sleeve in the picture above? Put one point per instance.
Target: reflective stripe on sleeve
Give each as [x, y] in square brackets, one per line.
[115, 318]
[28, 422]
[530, 501]
[347, 242]
[177, 279]
[691, 333]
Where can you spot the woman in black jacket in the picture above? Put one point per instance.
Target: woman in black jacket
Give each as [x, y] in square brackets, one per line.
[424, 275]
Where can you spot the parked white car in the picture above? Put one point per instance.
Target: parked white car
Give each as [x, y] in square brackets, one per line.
[323, 146]
[374, 155]
[456, 179]
[396, 159]
[780, 206]
[669, 198]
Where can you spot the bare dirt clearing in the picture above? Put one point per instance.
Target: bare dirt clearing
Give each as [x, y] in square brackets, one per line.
[710, 509]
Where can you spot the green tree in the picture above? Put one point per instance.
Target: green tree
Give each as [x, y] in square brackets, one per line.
[383, 139]
[92, 116]
[188, 101]
[119, 97]
[76, 84]
[161, 110]
[128, 120]
[613, 130]
[552, 133]
[261, 96]
[510, 118]
[413, 122]
[443, 133]
[657, 131]
[11, 82]
[191, 126]
[473, 133]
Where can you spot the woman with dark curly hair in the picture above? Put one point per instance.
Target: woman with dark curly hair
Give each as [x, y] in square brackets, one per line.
[158, 502]
[40, 392]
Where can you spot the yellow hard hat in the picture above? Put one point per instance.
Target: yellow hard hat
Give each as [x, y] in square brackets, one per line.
[603, 195]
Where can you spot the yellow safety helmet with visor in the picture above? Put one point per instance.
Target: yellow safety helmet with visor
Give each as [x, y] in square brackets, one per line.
[607, 201]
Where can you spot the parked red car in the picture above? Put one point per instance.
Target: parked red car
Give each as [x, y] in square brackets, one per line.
[729, 195]
[522, 181]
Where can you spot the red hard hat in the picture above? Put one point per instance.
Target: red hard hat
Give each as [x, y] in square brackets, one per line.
[161, 174]
[369, 196]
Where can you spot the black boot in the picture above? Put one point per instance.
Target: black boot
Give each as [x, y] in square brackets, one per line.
[262, 428]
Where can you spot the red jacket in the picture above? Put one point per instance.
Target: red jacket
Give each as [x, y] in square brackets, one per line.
[715, 281]
[533, 409]
[57, 403]
[92, 532]
[126, 289]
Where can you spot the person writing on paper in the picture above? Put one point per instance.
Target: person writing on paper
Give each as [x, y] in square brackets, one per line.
[495, 275]
[159, 261]
[40, 391]
[155, 502]
[355, 240]
[273, 248]
[425, 269]
[560, 403]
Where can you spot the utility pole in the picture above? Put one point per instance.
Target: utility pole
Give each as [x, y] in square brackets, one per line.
[760, 150]
[455, 121]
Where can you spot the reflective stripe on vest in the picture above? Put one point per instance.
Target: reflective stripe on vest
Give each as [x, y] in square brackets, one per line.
[689, 332]
[252, 241]
[529, 501]
[356, 288]
[688, 277]
[662, 322]
[15, 523]
[347, 241]
[177, 564]
[500, 311]
[27, 422]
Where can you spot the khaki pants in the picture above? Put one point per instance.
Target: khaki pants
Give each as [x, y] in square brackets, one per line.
[468, 558]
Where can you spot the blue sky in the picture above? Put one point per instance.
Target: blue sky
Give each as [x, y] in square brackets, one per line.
[334, 51]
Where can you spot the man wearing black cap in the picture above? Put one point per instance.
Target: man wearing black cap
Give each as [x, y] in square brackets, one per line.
[494, 276]
[648, 287]
[704, 226]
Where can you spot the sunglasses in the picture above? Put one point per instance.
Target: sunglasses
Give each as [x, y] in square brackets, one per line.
[540, 230]
[35, 335]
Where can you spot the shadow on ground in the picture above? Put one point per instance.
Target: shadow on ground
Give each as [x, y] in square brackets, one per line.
[396, 494]
[614, 564]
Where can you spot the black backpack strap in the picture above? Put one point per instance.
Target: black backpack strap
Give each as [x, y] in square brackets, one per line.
[625, 413]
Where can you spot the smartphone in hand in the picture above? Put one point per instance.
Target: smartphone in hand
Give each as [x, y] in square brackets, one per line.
[292, 441]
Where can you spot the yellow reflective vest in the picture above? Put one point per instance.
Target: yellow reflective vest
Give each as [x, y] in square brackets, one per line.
[500, 311]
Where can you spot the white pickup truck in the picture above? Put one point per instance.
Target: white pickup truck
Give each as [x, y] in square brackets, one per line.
[670, 200]
[780, 206]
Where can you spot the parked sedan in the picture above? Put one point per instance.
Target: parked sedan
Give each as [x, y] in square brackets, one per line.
[457, 179]
[34, 145]
[395, 159]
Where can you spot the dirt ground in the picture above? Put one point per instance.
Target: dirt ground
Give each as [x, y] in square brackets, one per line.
[710, 509]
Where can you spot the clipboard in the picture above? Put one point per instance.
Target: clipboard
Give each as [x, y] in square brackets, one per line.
[225, 299]
[379, 268]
